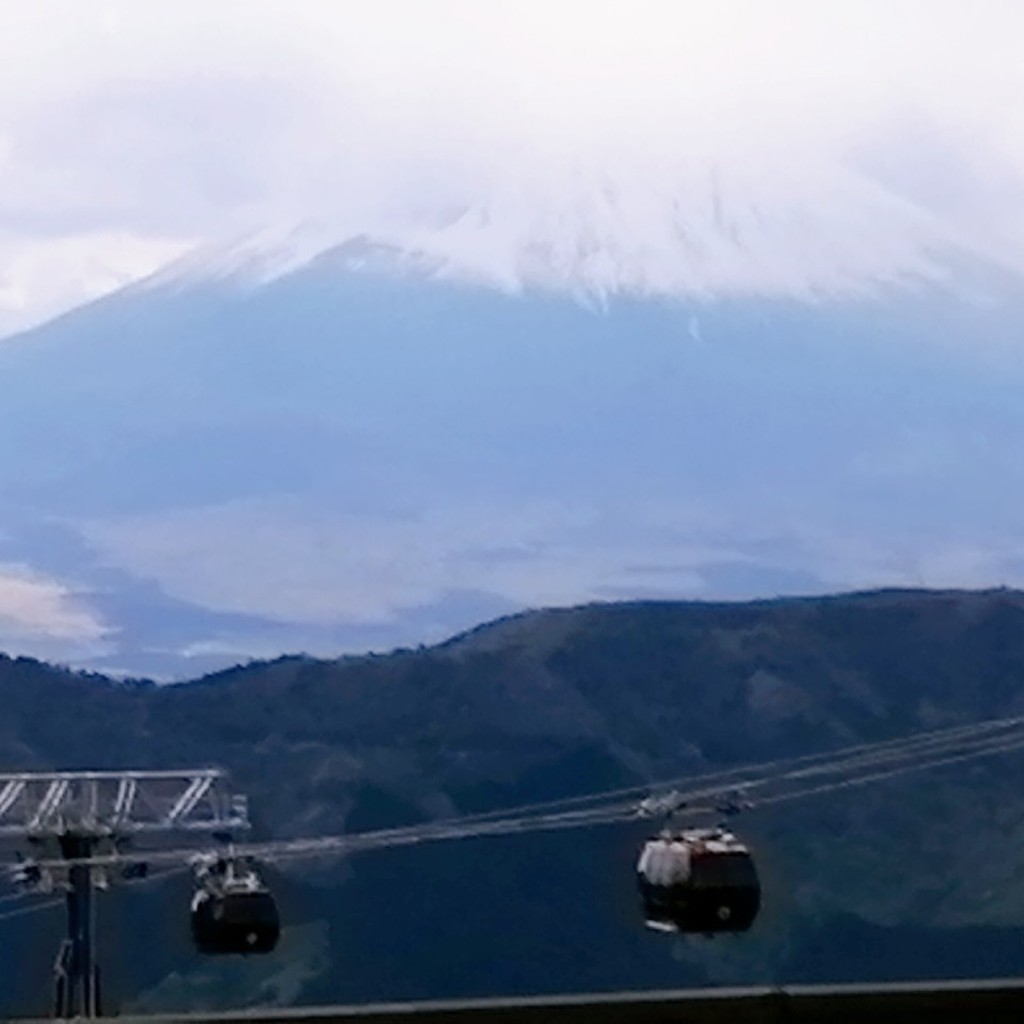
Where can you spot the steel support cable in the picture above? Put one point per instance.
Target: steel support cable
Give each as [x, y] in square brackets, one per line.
[911, 751]
[15, 897]
[434, 831]
[625, 813]
[947, 754]
[385, 838]
[930, 744]
[989, 750]
[721, 776]
[430, 832]
[628, 812]
[437, 832]
[369, 842]
[59, 901]
[33, 909]
[923, 747]
[856, 757]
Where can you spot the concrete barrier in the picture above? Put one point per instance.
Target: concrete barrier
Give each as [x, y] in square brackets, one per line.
[979, 1002]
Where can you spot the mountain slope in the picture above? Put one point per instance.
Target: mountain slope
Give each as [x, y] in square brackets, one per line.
[361, 453]
[561, 703]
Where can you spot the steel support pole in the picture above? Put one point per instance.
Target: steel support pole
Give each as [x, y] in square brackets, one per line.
[77, 981]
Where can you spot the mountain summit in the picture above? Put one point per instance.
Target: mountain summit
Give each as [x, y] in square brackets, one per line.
[600, 229]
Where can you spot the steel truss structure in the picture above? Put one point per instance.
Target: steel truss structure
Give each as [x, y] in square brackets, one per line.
[50, 804]
[74, 816]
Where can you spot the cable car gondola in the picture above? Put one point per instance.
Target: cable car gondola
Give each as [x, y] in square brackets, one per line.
[698, 881]
[232, 910]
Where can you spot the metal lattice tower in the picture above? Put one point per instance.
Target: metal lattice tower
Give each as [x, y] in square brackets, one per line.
[77, 815]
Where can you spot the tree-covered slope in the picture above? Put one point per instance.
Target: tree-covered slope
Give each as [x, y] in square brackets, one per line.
[915, 876]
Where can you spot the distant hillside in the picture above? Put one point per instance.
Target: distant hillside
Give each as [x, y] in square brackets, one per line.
[563, 702]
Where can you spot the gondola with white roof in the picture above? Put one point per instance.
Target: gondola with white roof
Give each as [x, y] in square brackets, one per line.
[232, 910]
[698, 881]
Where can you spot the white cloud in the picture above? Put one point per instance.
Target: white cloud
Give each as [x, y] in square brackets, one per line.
[170, 121]
[36, 608]
[41, 276]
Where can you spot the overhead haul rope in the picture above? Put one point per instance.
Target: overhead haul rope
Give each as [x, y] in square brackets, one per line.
[742, 778]
[59, 901]
[16, 897]
[980, 751]
[722, 775]
[33, 909]
[880, 761]
[600, 816]
[459, 828]
[925, 750]
[924, 747]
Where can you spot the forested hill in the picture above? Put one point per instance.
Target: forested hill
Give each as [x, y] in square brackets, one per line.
[916, 876]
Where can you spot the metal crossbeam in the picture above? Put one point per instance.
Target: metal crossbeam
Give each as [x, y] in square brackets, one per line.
[8, 797]
[186, 804]
[124, 801]
[46, 809]
[42, 804]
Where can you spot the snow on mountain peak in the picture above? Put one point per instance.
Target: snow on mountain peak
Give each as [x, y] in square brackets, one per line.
[681, 232]
[705, 234]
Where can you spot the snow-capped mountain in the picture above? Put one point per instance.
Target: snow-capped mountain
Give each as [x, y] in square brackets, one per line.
[596, 231]
[336, 436]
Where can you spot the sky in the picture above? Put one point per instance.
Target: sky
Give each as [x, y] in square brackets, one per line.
[132, 132]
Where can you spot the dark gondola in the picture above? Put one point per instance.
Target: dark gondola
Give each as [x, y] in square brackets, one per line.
[698, 881]
[234, 912]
